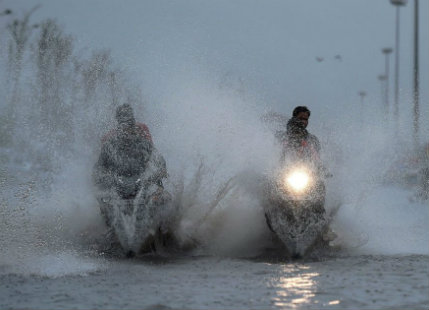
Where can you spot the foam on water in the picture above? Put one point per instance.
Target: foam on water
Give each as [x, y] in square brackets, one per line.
[53, 265]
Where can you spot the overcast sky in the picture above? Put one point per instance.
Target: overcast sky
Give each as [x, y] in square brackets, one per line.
[271, 46]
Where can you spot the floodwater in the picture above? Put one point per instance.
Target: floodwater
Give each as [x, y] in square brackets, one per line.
[380, 262]
[337, 282]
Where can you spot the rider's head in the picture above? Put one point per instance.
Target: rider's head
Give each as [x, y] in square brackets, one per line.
[125, 116]
[302, 113]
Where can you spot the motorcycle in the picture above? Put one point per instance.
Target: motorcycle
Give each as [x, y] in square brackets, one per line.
[137, 209]
[294, 209]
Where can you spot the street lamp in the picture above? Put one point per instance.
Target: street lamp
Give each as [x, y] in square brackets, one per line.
[387, 51]
[6, 12]
[398, 4]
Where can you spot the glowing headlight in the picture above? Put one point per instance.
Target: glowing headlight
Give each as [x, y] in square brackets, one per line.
[298, 180]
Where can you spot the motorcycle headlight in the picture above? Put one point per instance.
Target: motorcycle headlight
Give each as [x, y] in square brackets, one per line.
[298, 180]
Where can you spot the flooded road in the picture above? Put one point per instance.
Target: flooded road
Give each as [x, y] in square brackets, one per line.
[381, 262]
[216, 83]
[337, 282]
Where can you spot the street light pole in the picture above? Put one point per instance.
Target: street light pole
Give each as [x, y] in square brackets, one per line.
[416, 74]
[398, 4]
[382, 79]
[387, 51]
[362, 95]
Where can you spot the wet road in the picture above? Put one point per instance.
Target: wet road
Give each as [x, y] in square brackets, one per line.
[336, 282]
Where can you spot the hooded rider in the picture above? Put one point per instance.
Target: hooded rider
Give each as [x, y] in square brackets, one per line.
[126, 151]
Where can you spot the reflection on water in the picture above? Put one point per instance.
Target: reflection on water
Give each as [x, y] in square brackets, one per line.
[359, 282]
[334, 302]
[296, 288]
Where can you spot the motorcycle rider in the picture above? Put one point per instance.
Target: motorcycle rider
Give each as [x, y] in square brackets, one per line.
[297, 142]
[126, 151]
[300, 145]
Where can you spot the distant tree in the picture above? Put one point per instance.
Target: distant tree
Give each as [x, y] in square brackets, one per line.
[54, 52]
[105, 87]
[95, 71]
[63, 103]
[20, 31]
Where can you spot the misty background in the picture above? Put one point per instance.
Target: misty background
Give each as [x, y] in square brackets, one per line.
[205, 77]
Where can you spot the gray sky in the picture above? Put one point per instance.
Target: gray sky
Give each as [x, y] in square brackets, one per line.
[270, 45]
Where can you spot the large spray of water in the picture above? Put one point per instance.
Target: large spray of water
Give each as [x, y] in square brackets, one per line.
[217, 148]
